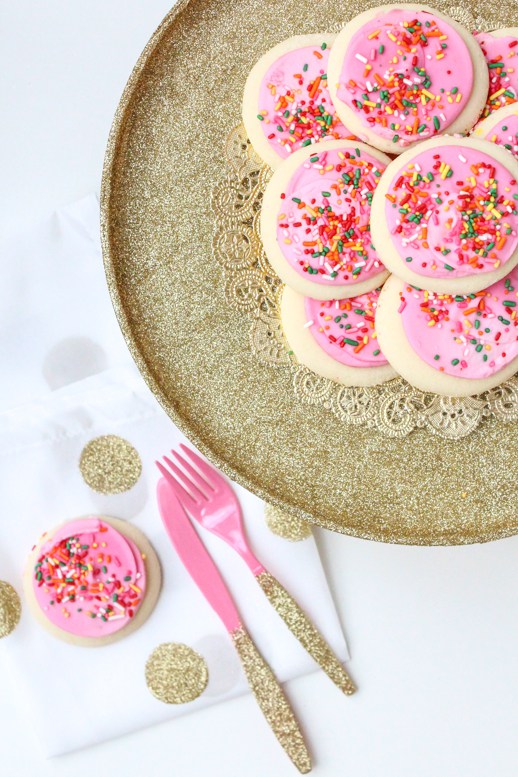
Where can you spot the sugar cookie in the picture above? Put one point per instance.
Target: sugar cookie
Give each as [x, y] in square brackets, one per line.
[501, 127]
[444, 215]
[399, 74]
[501, 53]
[336, 338]
[93, 580]
[315, 220]
[453, 345]
[286, 102]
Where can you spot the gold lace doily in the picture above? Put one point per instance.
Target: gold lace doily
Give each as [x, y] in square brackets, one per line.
[251, 286]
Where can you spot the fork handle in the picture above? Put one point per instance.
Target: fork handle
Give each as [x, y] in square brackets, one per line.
[307, 634]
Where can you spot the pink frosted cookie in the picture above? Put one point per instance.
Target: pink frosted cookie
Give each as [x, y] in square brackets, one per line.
[444, 215]
[501, 127]
[315, 220]
[500, 49]
[92, 580]
[453, 345]
[286, 102]
[401, 73]
[336, 338]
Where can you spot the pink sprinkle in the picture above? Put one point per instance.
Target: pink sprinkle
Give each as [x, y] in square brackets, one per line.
[402, 306]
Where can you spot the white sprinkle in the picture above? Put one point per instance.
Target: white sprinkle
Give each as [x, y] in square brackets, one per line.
[308, 324]
[361, 58]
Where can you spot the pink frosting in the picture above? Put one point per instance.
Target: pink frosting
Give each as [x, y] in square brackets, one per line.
[323, 225]
[405, 88]
[89, 579]
[295, 108]
[503, 81]
[459, 213]
[471, 336]
[505, 133]
[344, 329]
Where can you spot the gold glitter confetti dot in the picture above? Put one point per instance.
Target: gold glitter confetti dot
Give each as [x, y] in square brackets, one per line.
[285, 525]
[110, 464]
[10, 609]
[175, 673]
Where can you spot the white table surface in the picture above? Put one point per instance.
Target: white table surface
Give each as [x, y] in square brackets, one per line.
[433, 631]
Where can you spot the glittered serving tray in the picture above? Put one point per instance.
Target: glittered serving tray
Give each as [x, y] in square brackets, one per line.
[164, 160]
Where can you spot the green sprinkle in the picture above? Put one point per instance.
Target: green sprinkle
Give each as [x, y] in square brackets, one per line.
[350, 342]
[507, 303]
[455, 362]
[436, 357]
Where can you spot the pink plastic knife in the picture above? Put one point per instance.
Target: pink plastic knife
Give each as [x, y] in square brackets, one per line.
[198, 562]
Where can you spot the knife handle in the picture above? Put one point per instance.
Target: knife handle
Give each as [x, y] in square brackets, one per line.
[308, 636]
[271, 699]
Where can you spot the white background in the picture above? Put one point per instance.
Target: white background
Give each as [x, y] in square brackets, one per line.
[433, 631]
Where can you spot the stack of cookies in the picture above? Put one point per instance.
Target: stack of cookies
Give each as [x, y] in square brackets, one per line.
[392, 212]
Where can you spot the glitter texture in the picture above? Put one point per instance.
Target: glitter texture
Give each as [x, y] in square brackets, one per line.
[110, 464]
[305, 632]
[163, 161]
[10, 609]
[175, 673]
[272, 701]
[285, 525]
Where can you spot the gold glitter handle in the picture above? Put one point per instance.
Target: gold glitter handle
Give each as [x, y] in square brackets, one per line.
[272, 701]
[308, 636]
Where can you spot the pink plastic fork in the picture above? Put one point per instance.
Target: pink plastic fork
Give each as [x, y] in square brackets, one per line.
[211, 501]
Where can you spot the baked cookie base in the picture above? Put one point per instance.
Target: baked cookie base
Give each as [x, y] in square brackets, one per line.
[310, 354]
[269, 213]
[462, 124]
[153, 586]
[382, 238]
[252, 89]
[397, 349]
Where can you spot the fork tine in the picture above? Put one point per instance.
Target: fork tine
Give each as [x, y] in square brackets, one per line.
[182, 494]
[186, 484]
[208, 471]
[195, 475]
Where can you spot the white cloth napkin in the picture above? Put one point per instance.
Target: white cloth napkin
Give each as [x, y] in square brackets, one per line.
[80, 696]
[57, 323]
[57, 329]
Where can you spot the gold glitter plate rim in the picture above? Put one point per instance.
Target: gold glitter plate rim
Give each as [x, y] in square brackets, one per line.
[381, 532]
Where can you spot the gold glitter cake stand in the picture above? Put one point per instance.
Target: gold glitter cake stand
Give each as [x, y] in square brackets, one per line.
[163, 159]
